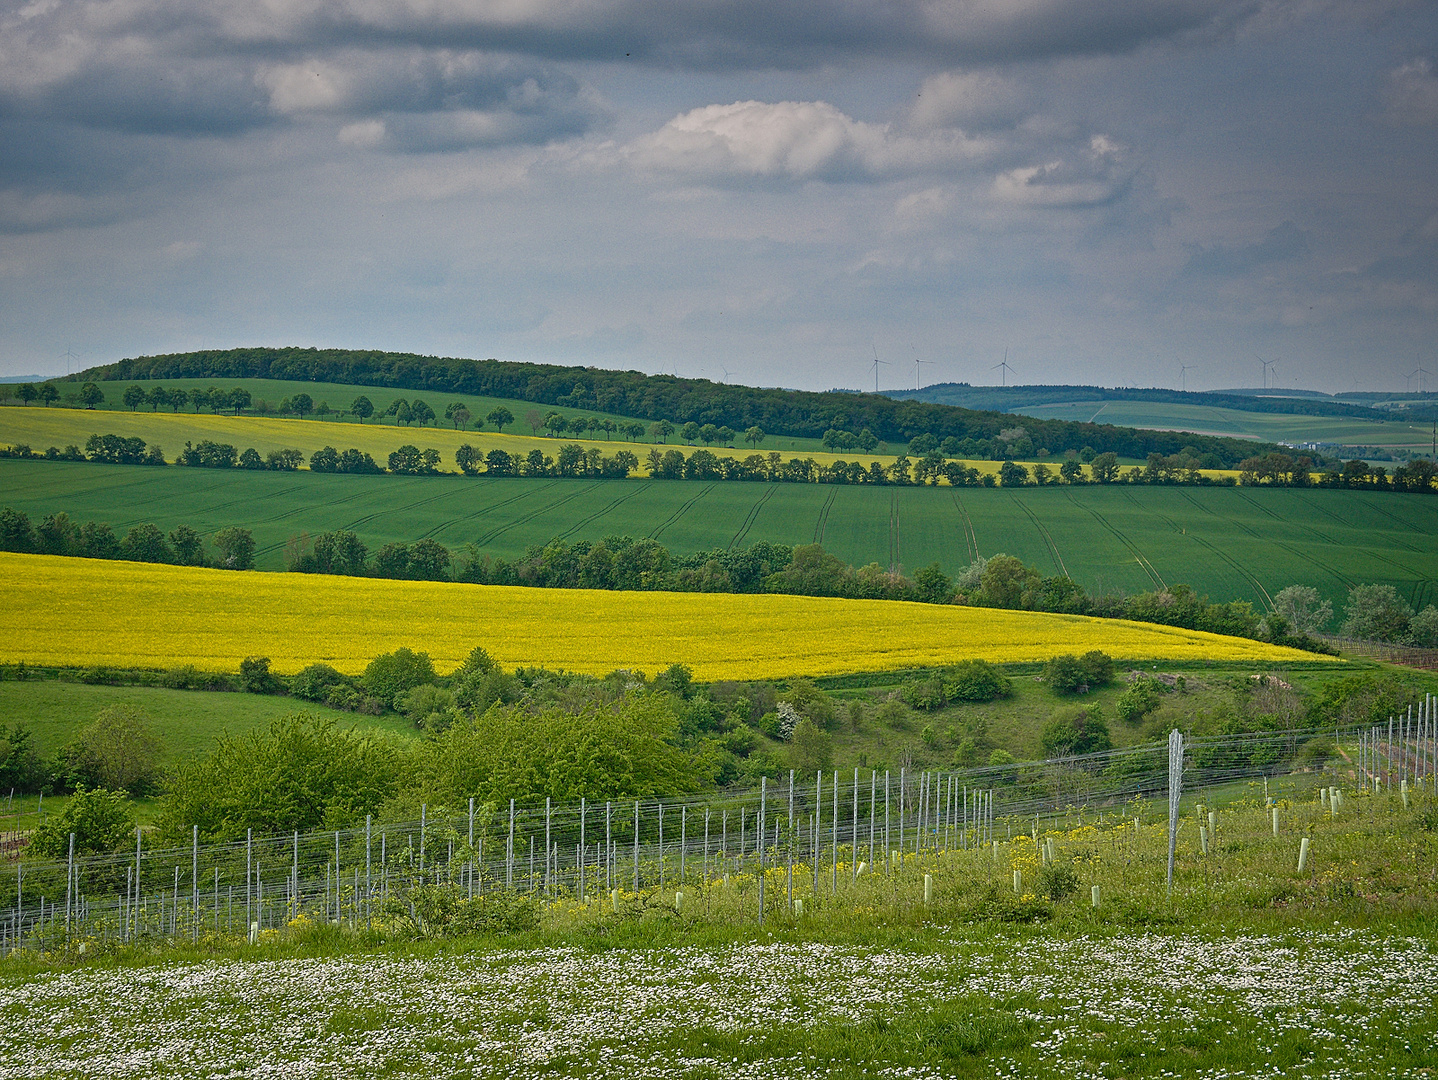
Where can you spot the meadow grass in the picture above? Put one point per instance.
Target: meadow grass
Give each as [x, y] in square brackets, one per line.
[89, 611]
[1227, 543]
[1248, 970]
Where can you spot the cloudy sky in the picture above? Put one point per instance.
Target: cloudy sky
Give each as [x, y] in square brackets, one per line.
[768, 191]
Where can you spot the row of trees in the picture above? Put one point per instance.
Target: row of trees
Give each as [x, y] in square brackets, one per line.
[1285, 470]
[57, 534]
[630, 393]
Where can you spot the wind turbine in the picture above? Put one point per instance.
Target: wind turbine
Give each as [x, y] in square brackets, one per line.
[877, 362]
[917, 362]
[1266, 365]
[1004, 373]
[1183, 375]
[1420, 371]
[725, 371]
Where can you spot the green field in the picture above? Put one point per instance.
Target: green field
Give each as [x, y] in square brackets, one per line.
[1230, 543]
[1269, 427]
[186, 721]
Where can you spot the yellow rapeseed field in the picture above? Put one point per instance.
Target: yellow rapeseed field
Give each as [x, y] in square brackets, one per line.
[77, 612]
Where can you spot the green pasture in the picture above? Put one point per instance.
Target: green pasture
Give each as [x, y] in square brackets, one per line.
[1229, 543]
[186, 721]
[1270, 427]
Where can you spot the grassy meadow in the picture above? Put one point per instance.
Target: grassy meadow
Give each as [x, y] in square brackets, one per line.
[1228, 543]
[74, 612]
[1249, 968]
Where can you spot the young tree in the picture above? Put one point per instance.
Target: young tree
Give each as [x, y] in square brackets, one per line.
[239, 398]
[362, 407]
[236, 547]
[91, 395]
[421, 412]
[661, 430]
[146, 543]
[188, 547]
[302, 404]
[101, 821]
[467, 458]
[157, 396]
[460, 418]
[118, 750]
[535, 419]
[1304, 609]
[1377, 613]
[1105, 468]
[133, 397]
[500, 417]
[754, 435]
[49, 393]
[689, 432]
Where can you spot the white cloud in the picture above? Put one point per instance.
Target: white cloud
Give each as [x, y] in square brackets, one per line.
[1412, 93]
[794, 141]
[1089, 178]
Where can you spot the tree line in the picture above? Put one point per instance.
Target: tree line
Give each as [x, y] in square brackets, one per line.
[57, 534]
[933, 466]
[784, 412]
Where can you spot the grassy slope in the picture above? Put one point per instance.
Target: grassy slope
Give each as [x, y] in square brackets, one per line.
[1211, 420]
[186, 721]
[1225, 542]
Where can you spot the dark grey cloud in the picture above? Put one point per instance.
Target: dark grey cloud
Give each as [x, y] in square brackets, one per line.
[1283, 243]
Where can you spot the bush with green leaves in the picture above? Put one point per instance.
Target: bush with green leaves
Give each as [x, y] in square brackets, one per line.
[102, 821]
[391, 674]
[1377, 613]
[1140, 698]
[1075, 731]
[1057, 881]
[975, 681]
[1069, 674]
[300, 773]
[118, 750]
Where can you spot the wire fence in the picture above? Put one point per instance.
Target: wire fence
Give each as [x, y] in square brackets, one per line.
[829, 827]
[1407, 655]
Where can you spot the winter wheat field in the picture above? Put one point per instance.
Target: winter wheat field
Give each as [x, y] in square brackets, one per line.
[1015, 1002]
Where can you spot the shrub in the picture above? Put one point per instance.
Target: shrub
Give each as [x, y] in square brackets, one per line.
[927, 695]
[1057, 881]
[1076, 731]
[1140, 698]
[1069, 674]
[118, 751]
[975, 680]
[391, 674]
[314, 682]
[102, 821]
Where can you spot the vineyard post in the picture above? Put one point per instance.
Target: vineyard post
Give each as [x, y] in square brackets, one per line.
[368, 879]
[759, 830]
[636, 846]
[423, 816]
[471, 847]
[195, 884]
[583, 814]
[547, 843]
[661, 845]
[683, 842]
[902, 785]
[873, 794]
[135, 907]
[834, 840]
[249, 874]
[295, 880]
[854, 838]
[509, 851]
[69, 876]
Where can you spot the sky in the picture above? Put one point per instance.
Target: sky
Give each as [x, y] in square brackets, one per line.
[771, 192]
